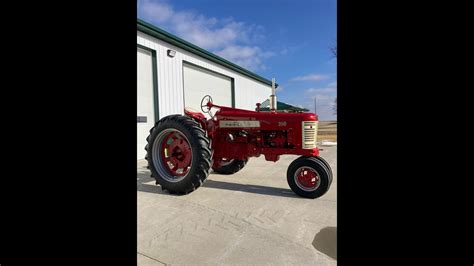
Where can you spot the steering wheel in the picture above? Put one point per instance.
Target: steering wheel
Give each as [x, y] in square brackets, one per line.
[204, 108]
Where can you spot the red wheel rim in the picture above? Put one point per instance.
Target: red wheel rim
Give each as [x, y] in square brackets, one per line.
[176, 153]
[307, 178]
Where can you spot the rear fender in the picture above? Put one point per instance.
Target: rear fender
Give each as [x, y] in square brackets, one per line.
[196, 115]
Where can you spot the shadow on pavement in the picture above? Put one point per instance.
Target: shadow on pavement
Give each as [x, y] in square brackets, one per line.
[264, 190]
[144, 177]
[326, 241]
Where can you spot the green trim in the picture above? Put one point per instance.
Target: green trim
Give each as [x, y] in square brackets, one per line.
[232, 80]
[156, 32]
[233, 93]
[265, 106]
[154, 69]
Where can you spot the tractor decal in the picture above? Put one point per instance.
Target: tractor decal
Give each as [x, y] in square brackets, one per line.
[235, 124]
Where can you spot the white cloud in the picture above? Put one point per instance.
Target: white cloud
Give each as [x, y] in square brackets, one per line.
[246, 56]
[161, 12]
[224, 36]
[324, 100]
[321, 90]
[324, 106]
[313, 77]
[324, 96]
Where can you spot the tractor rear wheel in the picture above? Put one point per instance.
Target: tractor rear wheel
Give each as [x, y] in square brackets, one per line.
[228, 166]
[309, 177]
[178, 154]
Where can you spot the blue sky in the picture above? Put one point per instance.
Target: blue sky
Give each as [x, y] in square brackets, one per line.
[288, 40]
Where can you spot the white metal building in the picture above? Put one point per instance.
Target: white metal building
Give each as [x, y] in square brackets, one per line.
[173, 73]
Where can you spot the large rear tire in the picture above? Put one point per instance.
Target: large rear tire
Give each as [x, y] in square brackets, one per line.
[178, 154]
[228, 167]
[309, 177]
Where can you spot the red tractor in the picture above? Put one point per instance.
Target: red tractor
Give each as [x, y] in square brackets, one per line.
[182, 149]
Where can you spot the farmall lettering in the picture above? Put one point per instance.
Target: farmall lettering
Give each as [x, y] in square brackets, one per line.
[237, 124]
[182, 149]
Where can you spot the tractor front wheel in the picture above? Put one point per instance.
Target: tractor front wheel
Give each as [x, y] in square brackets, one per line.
[309, 177]
[178, 154]
[228, 166]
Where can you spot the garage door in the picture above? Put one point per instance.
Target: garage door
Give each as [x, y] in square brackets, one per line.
[199, 82]
[145, 103]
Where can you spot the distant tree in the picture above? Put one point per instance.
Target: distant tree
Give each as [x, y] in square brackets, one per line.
[334, 108]
[334, 50]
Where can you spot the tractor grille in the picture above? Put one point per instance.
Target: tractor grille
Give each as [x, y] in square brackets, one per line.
[310, 131]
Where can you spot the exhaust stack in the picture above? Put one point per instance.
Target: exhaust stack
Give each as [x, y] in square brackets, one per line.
[273, 98]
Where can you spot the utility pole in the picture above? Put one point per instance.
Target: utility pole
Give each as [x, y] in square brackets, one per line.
[315, 104]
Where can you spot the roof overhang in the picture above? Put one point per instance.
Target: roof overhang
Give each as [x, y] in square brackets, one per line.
[158, 33]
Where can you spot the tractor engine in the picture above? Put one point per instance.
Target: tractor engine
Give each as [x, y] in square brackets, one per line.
[240, 134]
[268, 139]
[275, 139]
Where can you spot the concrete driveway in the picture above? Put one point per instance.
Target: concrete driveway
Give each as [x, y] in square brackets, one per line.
[251, 217]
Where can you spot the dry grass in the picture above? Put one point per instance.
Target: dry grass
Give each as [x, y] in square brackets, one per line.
[327, 131]
[327, 138]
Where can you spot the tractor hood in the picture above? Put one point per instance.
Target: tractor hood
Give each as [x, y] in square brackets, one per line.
[230, 117]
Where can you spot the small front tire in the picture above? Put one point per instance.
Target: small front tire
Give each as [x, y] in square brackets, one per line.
[309, 177]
